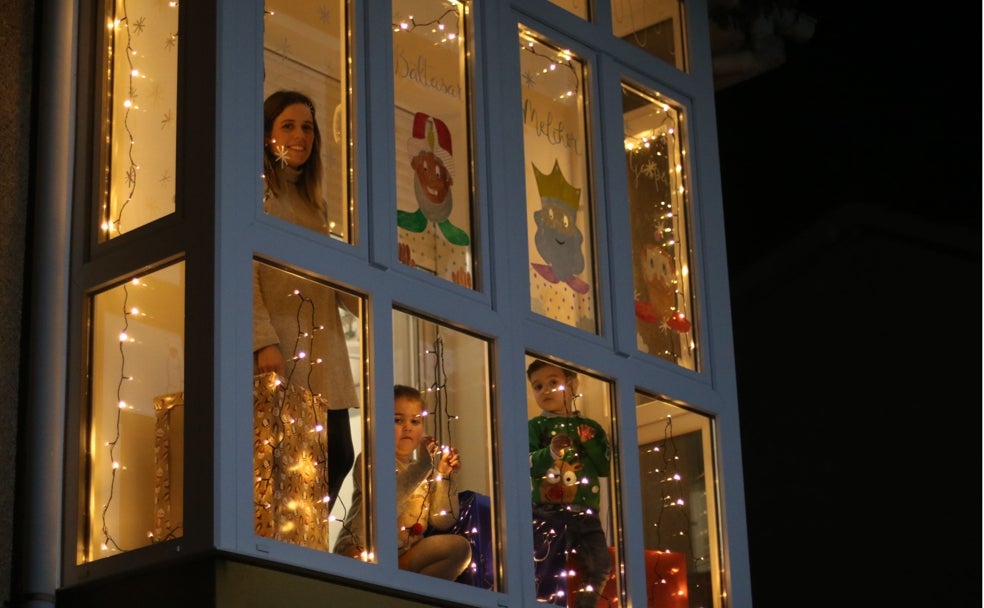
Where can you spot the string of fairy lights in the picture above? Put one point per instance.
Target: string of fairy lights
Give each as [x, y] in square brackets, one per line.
[123, 28]
[545, 530]
[670, 536]
[112, 220]
[113, 224]
[670, 483]
[657, 185]
[294, 425]
[551, 60]
[437, 25]
[436, 392]
[108, 540]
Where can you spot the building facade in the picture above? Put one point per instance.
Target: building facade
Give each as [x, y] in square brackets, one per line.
[494, 183]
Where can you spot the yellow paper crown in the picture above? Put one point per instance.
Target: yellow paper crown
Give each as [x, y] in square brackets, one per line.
[557, 187]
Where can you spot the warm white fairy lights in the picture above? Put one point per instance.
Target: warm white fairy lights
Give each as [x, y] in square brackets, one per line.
[127, 38]
[443, 29]
[550, 59]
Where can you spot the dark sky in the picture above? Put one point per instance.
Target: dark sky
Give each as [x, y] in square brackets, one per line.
[859, 391]
[881, 107]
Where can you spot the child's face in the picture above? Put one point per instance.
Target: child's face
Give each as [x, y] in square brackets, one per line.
[552, 390]
[292, 135]
[409, 426]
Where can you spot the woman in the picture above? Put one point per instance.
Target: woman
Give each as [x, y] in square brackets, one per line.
[297, 327]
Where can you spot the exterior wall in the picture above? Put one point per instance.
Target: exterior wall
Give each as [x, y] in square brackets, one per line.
[16, 102]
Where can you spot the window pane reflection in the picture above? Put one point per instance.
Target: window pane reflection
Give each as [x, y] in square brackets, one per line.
[430, 88]
[558, 193]
[307, 343]
[305, 51]
[656, 167]
[683, 565]
[136, 433]
[140, 113]
[655, 26]
[571, 469]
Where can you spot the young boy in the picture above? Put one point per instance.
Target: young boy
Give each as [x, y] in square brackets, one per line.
[568, 454]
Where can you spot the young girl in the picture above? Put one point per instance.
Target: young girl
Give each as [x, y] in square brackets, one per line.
[425, 494]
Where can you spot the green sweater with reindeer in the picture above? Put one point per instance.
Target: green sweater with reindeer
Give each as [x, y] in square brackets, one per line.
[572, 478]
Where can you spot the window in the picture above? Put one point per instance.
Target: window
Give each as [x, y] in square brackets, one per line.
[543, 181]
[433, 151]
[136, 434]
[656, 172]
[133, 408]
[558, 195]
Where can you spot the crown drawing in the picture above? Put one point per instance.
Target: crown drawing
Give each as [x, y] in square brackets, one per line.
[555, 186]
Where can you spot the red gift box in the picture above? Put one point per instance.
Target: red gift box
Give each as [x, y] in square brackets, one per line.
[666, 581]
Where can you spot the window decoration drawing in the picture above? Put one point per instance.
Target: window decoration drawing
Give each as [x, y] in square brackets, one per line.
[655, 158]
[429, 149]
[433, 179]
[558, 240]
[559, 212]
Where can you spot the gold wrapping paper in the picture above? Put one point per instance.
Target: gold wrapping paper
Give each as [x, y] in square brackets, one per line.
[168, 457]
[290, 447]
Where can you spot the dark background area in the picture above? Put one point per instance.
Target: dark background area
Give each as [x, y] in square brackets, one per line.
[851, 178]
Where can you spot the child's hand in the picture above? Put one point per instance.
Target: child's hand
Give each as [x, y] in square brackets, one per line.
[560, 444]
[450, 461]
[585, 431]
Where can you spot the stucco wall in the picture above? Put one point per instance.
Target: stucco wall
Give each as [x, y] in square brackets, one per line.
[16, 101]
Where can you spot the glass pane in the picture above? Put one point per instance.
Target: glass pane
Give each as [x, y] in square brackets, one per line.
[655, 157]
[680, 511]
[136, 432]
[578, 7]
[558, 194]
[307, 173]
[433, 194]
[308, 361]
[572, 473]
[655, 26]
[140, 110]
[444, 462]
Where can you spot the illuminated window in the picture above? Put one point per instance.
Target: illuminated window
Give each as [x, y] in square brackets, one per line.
[679, 496]
[655, 26]
[305, 51]
[136, 433]
[558, 192]
[572, 467]
[433, 167]
[307, 341]
[140, 113]
[656, 168]
[451, 371]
